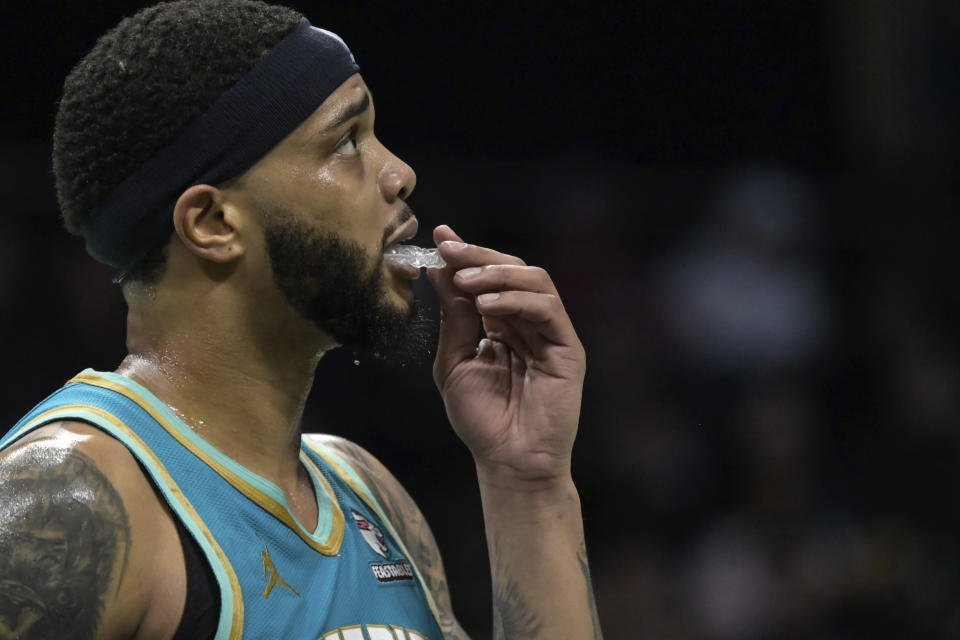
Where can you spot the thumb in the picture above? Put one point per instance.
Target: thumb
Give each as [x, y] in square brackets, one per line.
[459, 321]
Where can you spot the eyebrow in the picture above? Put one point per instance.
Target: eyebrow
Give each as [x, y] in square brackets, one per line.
[352, 110]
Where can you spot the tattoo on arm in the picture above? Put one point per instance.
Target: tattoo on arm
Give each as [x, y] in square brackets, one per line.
[512, 617]
[592, 603]
[413, 531]
[63, 529]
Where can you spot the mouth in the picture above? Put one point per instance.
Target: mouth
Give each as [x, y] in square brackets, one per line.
[405, 231]
[405, 271]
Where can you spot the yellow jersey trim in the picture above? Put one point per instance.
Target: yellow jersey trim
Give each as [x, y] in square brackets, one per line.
[329, 548]
[67, 411]
[336, 464]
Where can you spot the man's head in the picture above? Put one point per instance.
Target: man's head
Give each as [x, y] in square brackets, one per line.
[142, 84]
[310, 217]
[330, 198]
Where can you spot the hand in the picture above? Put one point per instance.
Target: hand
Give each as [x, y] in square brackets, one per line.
[514, 398]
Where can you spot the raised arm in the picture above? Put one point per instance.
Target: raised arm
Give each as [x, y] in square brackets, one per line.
[514, 399]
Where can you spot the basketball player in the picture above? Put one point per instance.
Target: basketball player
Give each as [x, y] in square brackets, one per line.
[220, 155]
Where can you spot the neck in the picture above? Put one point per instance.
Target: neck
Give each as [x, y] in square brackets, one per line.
[239, 385]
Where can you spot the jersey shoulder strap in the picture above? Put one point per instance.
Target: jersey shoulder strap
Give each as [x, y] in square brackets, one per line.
[138, 430]
[326, 456]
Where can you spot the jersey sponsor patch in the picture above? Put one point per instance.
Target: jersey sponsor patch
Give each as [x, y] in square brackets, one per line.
[372, 534]
[386, 572]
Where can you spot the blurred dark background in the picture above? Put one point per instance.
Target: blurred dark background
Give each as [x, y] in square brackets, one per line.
[749, 208]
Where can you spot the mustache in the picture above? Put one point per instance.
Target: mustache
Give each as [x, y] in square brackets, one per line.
[402, 216]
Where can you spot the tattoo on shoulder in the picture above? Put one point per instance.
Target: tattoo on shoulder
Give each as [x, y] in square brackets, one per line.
[414, 532]
[63, 529]
[399, 508]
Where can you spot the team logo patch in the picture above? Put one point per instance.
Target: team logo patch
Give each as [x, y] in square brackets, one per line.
[385, 572]
[372, 534]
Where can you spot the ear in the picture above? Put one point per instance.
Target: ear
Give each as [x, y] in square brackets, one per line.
[206, 227]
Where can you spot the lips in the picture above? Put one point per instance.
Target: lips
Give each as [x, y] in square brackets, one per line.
[404, 232]
[407, 271]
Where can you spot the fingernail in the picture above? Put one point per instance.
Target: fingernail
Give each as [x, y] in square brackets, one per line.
[453, 244]
[468, 273]
[485, 298]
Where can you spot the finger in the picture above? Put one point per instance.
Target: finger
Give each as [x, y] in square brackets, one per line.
[502, 330]
[459, 323]
[502, 277]
[457, 342]
[459, 326]
[542, 310]
[459, 254]
[443, 232]
[442, 278]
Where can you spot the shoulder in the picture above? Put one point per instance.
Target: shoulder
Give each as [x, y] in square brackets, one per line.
[359, 459]
[406, 517]
[397, 504]
[79, 523]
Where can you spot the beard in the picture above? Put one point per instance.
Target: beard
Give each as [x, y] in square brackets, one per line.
[325, 277]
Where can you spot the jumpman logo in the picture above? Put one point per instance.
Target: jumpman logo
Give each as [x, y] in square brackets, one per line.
[270, 574]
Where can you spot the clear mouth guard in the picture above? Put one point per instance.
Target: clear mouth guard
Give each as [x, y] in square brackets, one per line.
[415, 256]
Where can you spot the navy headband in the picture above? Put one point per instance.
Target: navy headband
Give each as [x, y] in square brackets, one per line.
[279, 93]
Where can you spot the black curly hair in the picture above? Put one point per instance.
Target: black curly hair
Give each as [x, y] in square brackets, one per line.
[142, 83]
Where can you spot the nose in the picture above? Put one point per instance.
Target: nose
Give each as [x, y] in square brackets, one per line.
[397, 179]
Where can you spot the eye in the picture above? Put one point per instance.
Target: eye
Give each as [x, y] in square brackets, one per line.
[349, 144]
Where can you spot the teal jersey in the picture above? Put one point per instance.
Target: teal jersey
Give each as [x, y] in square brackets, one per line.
[350, 578]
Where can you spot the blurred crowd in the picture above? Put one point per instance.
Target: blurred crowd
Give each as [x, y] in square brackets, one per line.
[778, 441]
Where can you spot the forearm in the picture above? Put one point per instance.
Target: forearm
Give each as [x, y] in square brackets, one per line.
[541, 583]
